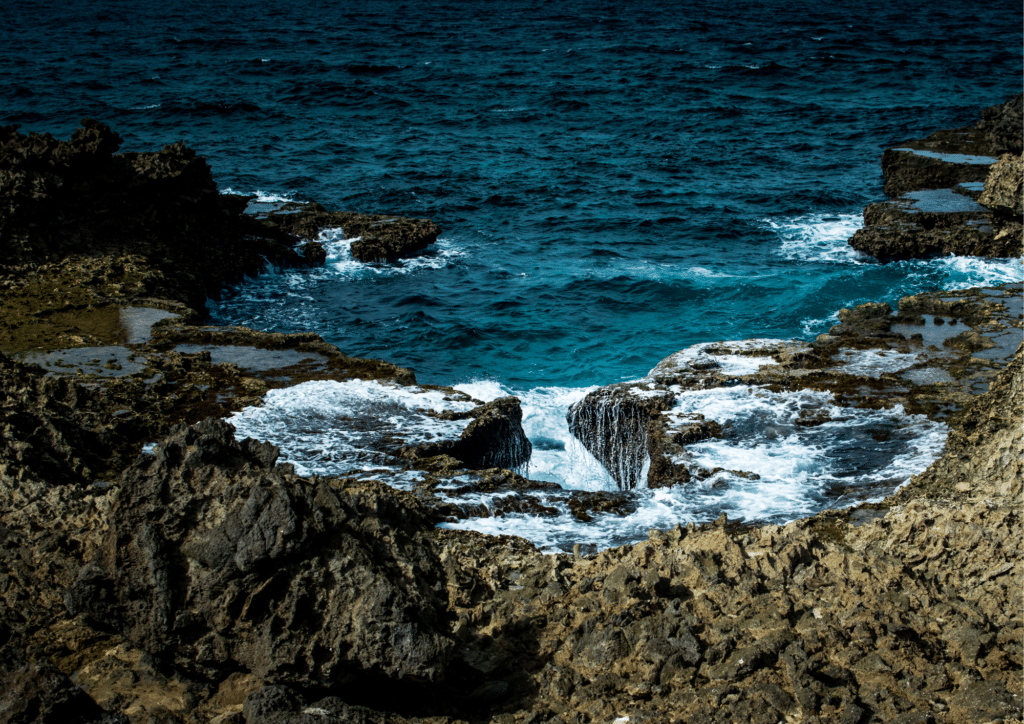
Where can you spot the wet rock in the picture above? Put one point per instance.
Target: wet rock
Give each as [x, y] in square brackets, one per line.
[314, 253]
[892, 619]
[874, 359]
[615, 425]
[216, 559]
[379, 238]
[495, 437]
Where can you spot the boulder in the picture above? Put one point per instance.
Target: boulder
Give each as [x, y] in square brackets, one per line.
[1003, 187]
[494, 439]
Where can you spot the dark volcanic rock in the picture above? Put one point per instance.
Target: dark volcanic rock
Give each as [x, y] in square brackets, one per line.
[381, 237]
[495, 437]
[78, 197]
[218, 560]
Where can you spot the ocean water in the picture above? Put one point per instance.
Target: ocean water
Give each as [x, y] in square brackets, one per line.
[616, 182]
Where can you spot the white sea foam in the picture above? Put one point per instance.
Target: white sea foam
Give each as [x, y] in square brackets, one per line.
[801, 469]
[334, 428]
[964, 272]
[873, 362]
[557, 457]
[706, 354]
[261, 197]
[818, 237]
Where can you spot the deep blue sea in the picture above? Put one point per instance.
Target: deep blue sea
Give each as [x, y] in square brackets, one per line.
[616, 181]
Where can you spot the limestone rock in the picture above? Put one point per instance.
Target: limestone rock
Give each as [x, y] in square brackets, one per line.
[1003, 187]
[1003, 124]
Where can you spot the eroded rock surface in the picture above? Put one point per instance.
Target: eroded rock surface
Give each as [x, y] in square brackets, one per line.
[928, 359]
[379, 237]
[1003, 187]
[951, 193]
[216, 559]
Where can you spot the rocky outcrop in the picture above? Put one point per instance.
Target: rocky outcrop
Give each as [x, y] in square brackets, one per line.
[1003, 187]
[920, 358]
[381, 238]
[36, 691]
[954, 156]
[932, 223]
[205, 582]
[940, 161]
[909, 611]
[621, 427]
[80, 197]
[217, 560]
[494, 439]
[937, 206]
[1002, 124]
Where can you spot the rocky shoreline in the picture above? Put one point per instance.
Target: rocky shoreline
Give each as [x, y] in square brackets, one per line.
[200, 580]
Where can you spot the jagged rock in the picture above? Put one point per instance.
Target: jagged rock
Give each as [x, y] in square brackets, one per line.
[934, 182]
[1003, 187]
[381, 237]
[900, 240]
[939, 162]
[906, 167]
[641, 431]
[216, 559]
[36, 692]
[913, 614]
[81, 197]
[1003, 124]
[495, 437]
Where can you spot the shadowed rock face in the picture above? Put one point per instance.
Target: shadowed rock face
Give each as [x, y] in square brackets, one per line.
[494, 439]
[216, 559]
[59, 198]
[1003, 187]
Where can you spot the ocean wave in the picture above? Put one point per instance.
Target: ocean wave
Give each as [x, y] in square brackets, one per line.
[818, 237]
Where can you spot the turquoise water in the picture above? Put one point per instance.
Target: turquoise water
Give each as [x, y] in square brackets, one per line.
[616, 182]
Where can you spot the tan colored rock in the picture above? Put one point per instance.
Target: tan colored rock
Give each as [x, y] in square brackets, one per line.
[1003, 187]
